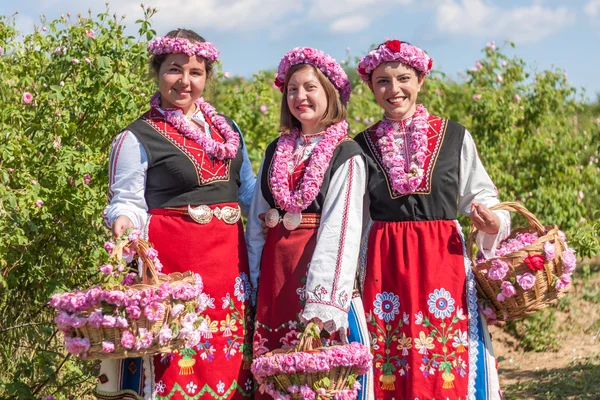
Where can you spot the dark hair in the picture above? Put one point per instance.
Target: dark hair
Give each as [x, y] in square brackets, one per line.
[334, 113]
[156, 61]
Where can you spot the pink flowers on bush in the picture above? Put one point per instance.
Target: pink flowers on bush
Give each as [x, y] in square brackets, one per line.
[27, 98]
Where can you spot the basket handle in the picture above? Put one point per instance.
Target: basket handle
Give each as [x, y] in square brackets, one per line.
[148, 270]
[512, 207]
[310, 339]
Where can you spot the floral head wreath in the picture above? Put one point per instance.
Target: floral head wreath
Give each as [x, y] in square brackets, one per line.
[327, 64]
[166, 45]
[394, 50]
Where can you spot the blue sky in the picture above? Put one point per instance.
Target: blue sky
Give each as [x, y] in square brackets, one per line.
[254, 34]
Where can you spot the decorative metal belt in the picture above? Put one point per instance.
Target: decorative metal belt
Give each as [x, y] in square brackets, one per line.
[292, 221]
[204, 214]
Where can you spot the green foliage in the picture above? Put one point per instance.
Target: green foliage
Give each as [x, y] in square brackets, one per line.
[540, 148]
[535, 333]
[53, 168]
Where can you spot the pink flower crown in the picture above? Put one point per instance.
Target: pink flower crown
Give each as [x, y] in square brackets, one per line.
[394, 50]
[165, 45]
[327, 64]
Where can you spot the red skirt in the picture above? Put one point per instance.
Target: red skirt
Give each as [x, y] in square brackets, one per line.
[415, 299]
[217, 368]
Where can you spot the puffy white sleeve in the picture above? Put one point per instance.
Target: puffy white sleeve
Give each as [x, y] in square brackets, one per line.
[127, 168]
[332, 269]
[255, 240]
[476, 186]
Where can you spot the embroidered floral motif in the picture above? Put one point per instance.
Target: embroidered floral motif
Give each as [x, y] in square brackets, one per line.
[319, 292]
[191, 387]
[207, 351]
[242, 284]
[258, 344]
[221, 387]
[208, 327]
[383, 338]
[228, 326]
[290, 340]
[386, 306]
[446, 360]
[440, 303]
[160, 387]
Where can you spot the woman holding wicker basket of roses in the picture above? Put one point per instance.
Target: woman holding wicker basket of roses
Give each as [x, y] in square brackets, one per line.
[310, 188]
[181, 173]
[427, 334]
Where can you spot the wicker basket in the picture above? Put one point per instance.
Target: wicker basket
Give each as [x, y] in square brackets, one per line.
[325, 384]
[543, 293]
[150, 279]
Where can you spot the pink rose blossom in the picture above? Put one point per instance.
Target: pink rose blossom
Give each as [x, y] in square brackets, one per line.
[134, 235]
[109, 246]
[499, 78]
[96, 318]
[498, 270]
[127, 339]
[526, 280]
[27, 98]
[133, 311]
[479, 65]
[10, 170]
[563, 282]
[75, 61]
[129, 279]
[121, 322]
[108, 321]
[476, 97]
[263, 108]
[87, 178]
[90, 33]
[177, 308]
[517, 98]
[145, 339]
[549, 251]
[569, 260]
[164, 335]
[106, 269]
[491, 46]
[154, 311]
[508, 290]
[108, 347]
[77, 345]
[39, 203]
[152, 253]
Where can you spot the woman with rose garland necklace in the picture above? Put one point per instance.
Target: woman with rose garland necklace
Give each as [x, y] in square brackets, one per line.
[311, 187]
[180, 173]
[427, 334]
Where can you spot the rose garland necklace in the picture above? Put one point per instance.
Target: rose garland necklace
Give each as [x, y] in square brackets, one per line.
[404, 161]
[295, 201]
[188, 129]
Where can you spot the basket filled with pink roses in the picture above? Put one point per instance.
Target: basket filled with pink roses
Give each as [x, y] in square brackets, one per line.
[310, 371]
[136, 310]
[530, 269]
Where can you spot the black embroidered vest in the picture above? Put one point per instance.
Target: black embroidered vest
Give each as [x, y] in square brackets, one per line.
[343, 152]
[437, 196]
[179, 172]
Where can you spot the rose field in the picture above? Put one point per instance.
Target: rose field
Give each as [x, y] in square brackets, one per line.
[71, 85]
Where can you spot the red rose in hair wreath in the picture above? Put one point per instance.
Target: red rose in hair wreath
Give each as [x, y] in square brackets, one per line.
[430, 64]
[393, 45]
[535, 262]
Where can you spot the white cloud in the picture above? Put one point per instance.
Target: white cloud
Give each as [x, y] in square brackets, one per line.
[525, 24]
[221, 15]
[352, 23]
[592, 8]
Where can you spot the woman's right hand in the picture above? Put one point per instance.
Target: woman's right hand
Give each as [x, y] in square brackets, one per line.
[121, 224]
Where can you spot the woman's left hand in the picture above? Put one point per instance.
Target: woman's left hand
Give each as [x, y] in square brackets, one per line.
[483, 219]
